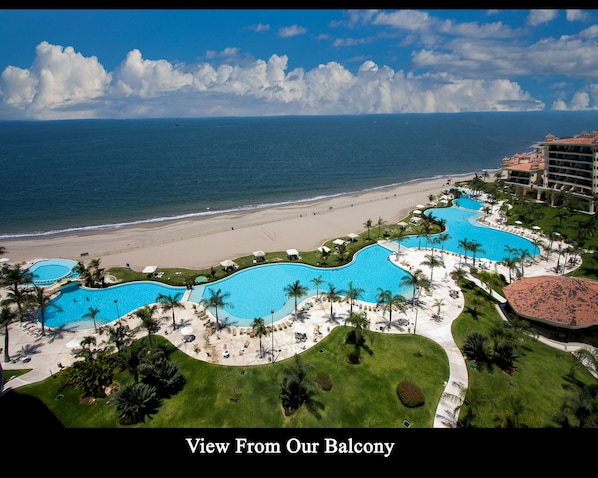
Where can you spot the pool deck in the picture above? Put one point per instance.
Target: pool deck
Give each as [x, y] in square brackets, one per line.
[234, 346]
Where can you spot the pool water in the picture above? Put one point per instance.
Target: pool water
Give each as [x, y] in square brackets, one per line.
[254, 292]
[461, 223]
[48, 271]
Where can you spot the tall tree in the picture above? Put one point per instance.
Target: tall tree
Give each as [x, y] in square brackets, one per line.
[390, 302]
[14, 278]
[216, 300]
[148, 321]
[295, 291]
[317, 282]
[356, 337]
[42, 302]
[258, 327]
[299, 389]
[368, 225]
[417, 281]
[353, 293]
[7, 316]
[170, 302]
[432, 261]
[333, 295]
[91, 315]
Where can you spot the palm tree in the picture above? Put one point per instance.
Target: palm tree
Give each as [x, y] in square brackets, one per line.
[7, 316]
[438, 303]
[475, 248]
[444, 237]
[136, 401]
[368, 224]
[14, 278]
[298, 389]
[416, 280]
[295, 291]
[259, 329]
[132, 357]
[356, 336]
[353, 293]
[379, 224]
[464, 244]
[216, 300]
[93, 312]
[148, 322]
[432, 261]
[170, 302]
[317, 282]
[390, 302]
[332, 295]
[42, 301]
[522, 257]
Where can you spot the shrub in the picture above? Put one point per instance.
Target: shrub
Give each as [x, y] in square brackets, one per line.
[410, 394]
[323, 380]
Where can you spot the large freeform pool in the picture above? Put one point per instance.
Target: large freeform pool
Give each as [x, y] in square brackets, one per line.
[462, 223]
[252, 292]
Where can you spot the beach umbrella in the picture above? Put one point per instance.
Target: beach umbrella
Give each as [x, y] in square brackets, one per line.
[420, 206]
[187, 330]
[537, 228]
[518, 223]
[417, 211]
[4, 259]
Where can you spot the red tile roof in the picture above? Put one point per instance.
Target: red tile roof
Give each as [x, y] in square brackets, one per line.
[569, 302]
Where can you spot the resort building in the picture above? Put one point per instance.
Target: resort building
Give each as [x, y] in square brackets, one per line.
[558, 165]
[561, 308]
[524, 173]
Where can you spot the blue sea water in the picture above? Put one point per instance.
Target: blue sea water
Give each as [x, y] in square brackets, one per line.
[61, 176]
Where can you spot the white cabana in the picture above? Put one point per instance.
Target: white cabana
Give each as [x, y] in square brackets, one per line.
[417, 211]
[420, 206]
[228, 264]
[293, 254]
[339, 242]
[259, 256]
[352, 236]
[149, 269]
[324, 249]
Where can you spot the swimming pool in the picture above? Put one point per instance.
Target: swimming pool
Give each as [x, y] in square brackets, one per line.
[461, 223]
[254, 292]
[49, 271]
[67, 310]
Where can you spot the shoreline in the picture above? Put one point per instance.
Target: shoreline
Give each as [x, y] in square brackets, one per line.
[205, 241]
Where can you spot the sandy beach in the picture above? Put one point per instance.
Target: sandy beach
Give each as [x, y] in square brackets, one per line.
[202, 242]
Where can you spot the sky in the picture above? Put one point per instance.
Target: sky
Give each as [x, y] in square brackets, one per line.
[109, 63]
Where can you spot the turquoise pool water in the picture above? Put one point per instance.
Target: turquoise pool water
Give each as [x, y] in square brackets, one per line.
[74, 301]
[48, 271]
[253, 292]
[256, 291]
[461, 223]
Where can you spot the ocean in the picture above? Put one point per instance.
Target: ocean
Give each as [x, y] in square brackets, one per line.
[83, 175]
